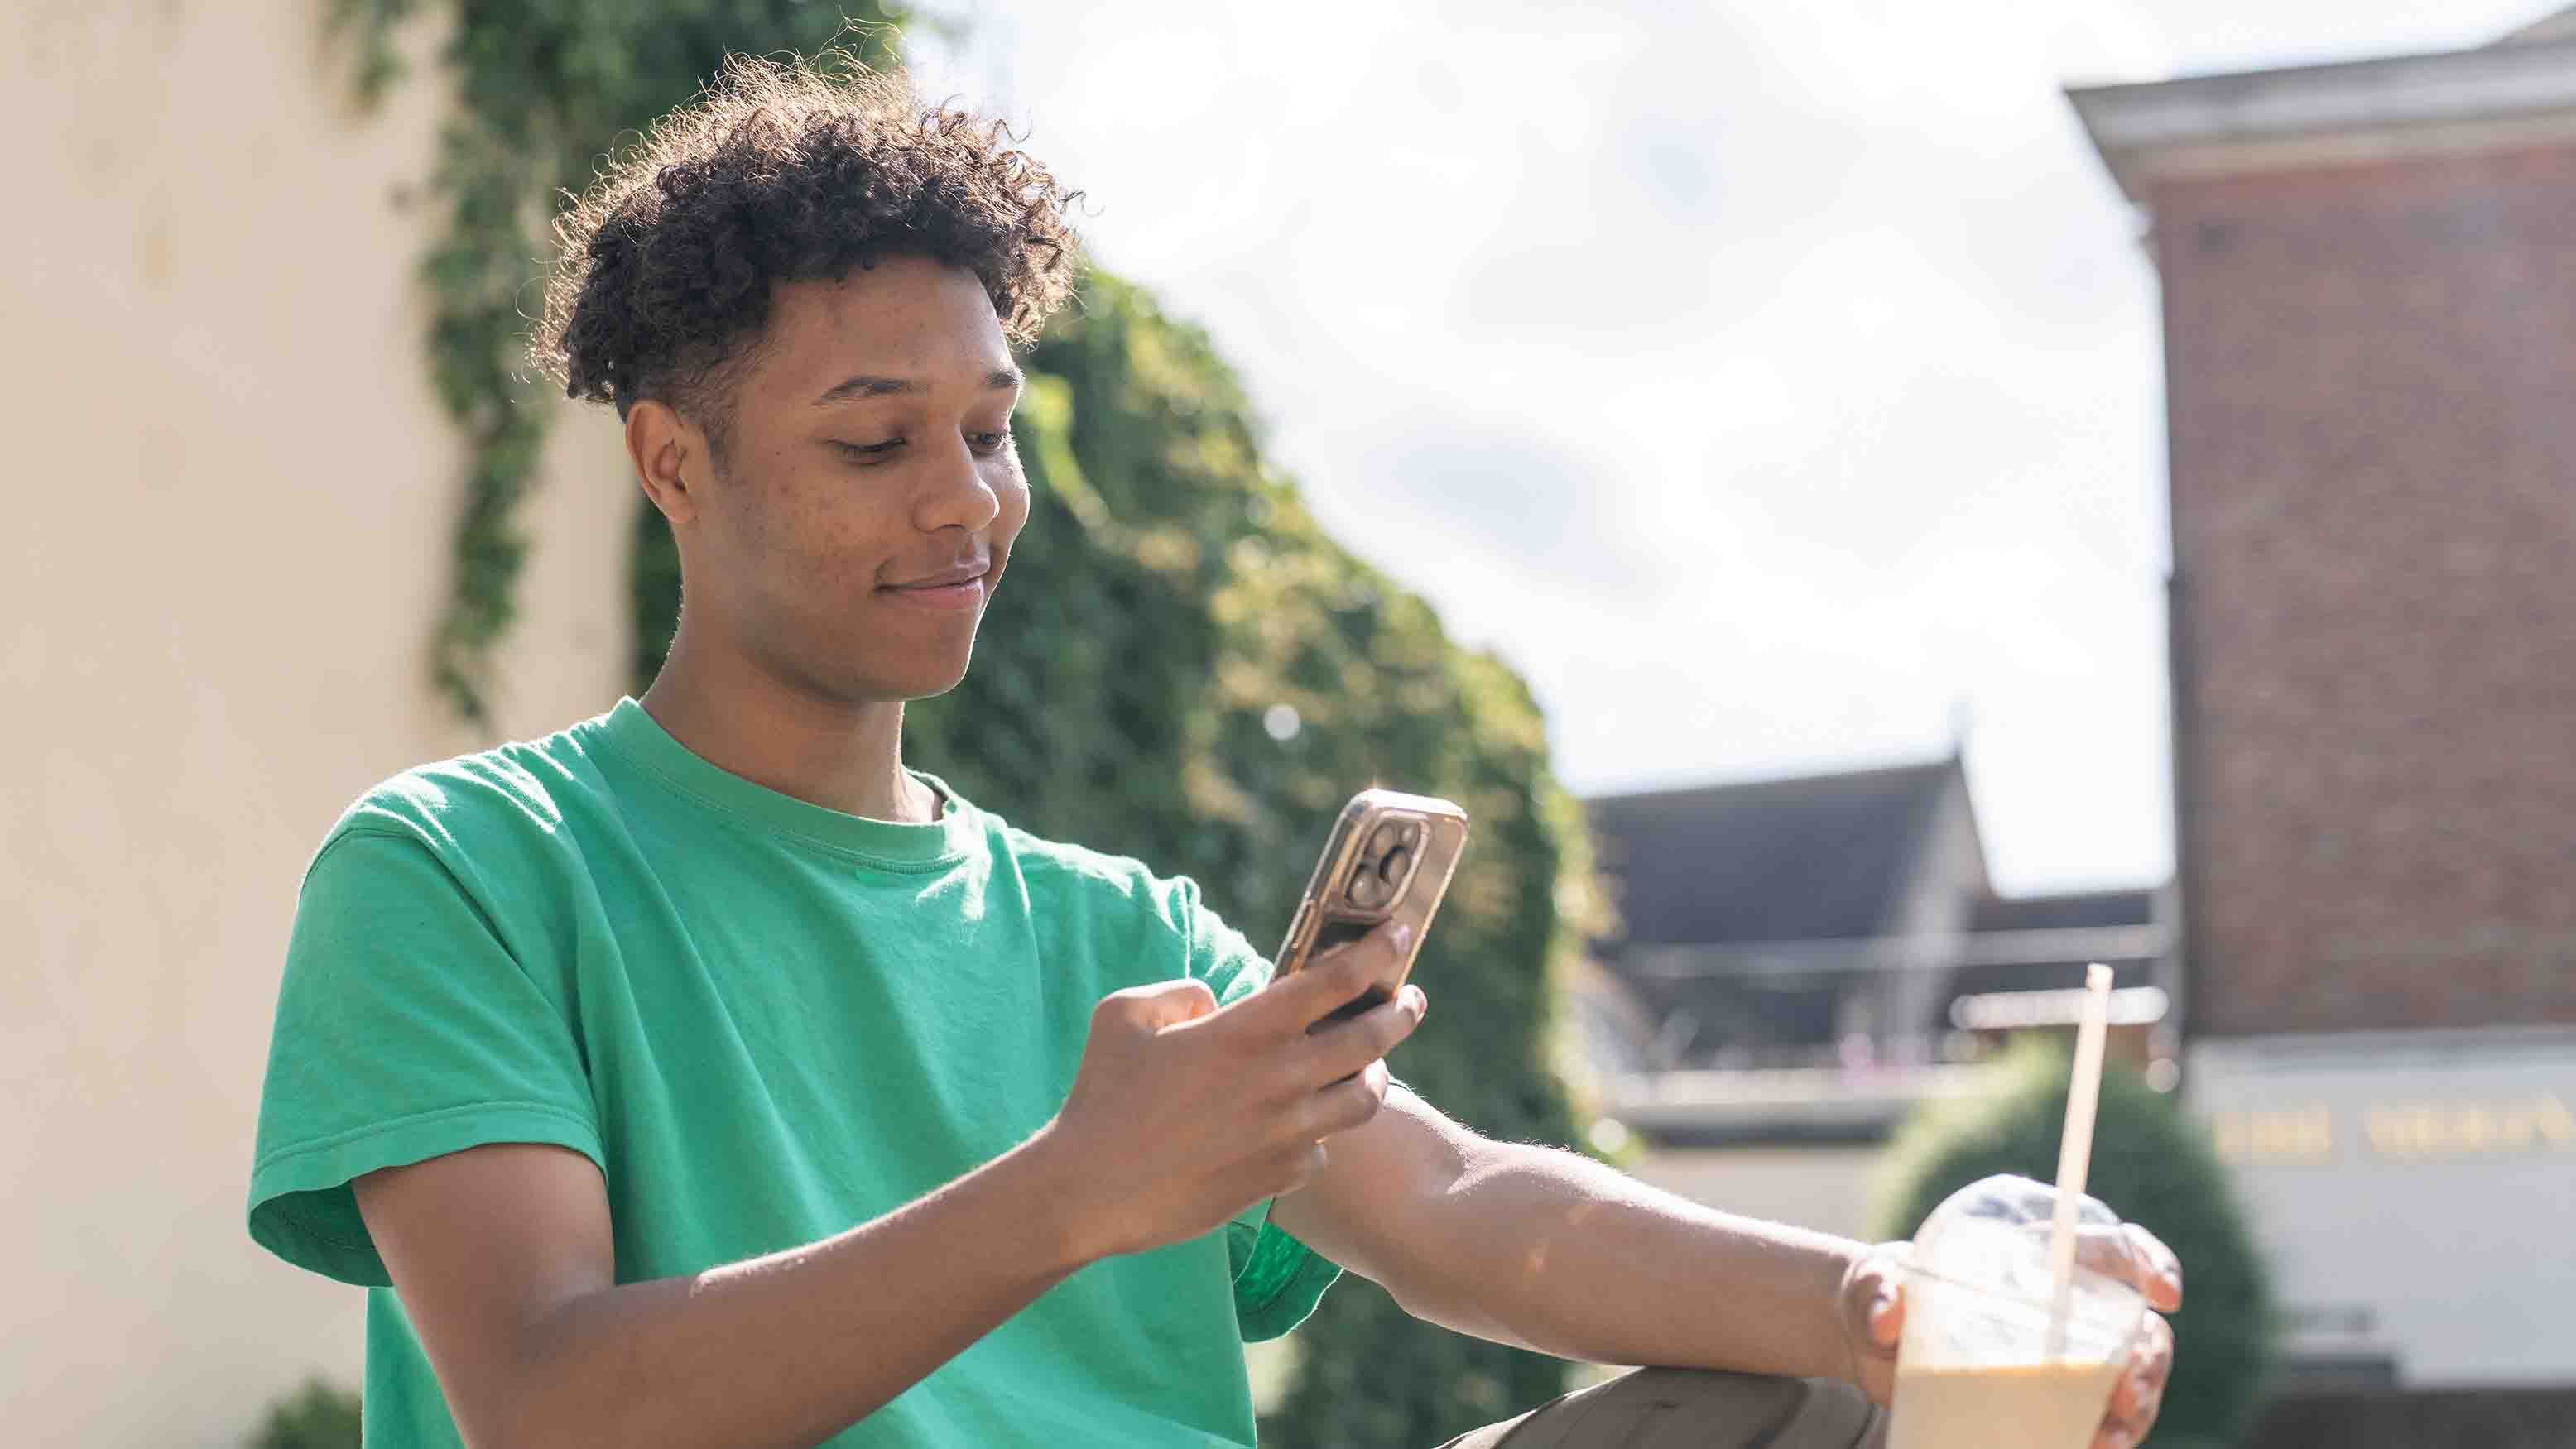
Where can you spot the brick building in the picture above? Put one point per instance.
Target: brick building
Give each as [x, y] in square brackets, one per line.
[2370, 353]
[2369, 279]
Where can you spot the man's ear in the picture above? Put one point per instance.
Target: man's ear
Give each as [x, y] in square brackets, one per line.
[670, 457]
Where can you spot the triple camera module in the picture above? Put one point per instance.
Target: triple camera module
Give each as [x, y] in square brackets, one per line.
[1385, 864]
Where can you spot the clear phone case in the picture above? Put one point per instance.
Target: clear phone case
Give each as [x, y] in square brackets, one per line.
[1389, 858]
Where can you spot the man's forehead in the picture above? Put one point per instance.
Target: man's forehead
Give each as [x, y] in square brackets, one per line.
[905, 318]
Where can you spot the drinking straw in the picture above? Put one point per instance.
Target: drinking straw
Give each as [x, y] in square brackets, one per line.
[2075, 1150]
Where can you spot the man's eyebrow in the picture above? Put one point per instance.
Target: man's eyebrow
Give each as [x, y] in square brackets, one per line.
[865, 385]
[868, 385]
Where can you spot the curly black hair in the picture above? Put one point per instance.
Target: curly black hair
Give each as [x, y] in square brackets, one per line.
[785, 171]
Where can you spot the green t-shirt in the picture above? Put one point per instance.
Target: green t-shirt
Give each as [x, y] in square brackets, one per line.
[767, 1021]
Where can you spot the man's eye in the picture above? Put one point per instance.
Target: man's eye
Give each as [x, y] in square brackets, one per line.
[882, 450]
[989, 442]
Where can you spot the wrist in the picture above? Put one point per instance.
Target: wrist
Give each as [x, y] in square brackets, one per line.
[1075, 1224]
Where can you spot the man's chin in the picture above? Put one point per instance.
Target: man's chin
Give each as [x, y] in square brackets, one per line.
[929, 681]
[866, 669]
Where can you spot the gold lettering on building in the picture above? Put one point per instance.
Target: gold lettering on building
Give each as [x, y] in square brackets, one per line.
[2407, 1131]
[2305, 1134]
[2469, 1129]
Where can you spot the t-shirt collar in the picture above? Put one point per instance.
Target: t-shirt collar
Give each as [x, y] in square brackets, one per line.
[633, 731]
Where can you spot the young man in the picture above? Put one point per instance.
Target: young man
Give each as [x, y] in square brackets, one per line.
[700, 1075]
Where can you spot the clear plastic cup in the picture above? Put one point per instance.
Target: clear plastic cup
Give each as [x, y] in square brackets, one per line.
[1976, 1368]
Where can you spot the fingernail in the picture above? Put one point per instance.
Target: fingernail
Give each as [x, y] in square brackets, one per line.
[2166, 1263]
[1403, 937]
[1421, 1003]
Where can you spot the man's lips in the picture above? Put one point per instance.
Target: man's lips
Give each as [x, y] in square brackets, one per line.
[957, 588]
[947, 577]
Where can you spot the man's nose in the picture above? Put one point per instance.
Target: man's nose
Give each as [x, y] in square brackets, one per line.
[955, 493]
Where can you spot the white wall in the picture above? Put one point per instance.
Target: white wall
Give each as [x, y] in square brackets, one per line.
[2414, 1191]
[1827, 1188]
[230, 494]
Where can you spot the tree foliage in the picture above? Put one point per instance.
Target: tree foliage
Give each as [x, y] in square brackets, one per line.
[2153, 1165]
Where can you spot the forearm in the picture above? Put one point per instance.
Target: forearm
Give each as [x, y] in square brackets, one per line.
[1559, 1253]
[791, 1348]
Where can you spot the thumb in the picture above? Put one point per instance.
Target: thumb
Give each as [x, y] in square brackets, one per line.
[1873, 1319]
[1873, 1298]
[1887, 1315]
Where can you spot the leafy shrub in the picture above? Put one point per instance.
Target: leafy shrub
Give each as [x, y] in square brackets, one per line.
[317, 1417]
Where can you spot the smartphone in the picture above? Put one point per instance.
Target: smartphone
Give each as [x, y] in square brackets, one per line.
[1389, 858]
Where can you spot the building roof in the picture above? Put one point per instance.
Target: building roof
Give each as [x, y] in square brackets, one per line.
[2064, 912]
[1767, 922]
[1819, 857]
[2519, 92]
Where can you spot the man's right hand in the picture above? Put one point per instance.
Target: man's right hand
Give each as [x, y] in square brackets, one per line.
[1187, 1113]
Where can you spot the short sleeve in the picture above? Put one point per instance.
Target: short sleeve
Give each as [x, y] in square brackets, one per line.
[406, 1029]
[1278, 1280]
[1219, 955]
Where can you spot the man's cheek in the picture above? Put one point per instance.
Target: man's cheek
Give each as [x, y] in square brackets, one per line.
[1014, 517]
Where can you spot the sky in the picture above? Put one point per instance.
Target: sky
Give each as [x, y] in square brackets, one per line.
[1777, 387]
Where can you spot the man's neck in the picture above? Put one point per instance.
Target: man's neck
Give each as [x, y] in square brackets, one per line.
[843, 757]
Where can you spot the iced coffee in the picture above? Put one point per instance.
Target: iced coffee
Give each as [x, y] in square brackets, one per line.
[1994, 1355]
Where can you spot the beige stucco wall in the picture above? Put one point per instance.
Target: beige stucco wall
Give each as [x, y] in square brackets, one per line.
[228, 495]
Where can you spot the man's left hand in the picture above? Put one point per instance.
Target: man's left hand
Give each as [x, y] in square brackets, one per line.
[1873, 1318]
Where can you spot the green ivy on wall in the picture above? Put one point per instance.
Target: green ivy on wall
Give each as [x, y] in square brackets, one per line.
[544, 90]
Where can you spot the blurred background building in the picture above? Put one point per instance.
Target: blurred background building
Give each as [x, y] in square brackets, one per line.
[1801, 962]
[2366, 979]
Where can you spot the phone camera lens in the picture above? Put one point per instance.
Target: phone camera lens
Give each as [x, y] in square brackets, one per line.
[1385, 838]
[1393, 869]
[1368, 888]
